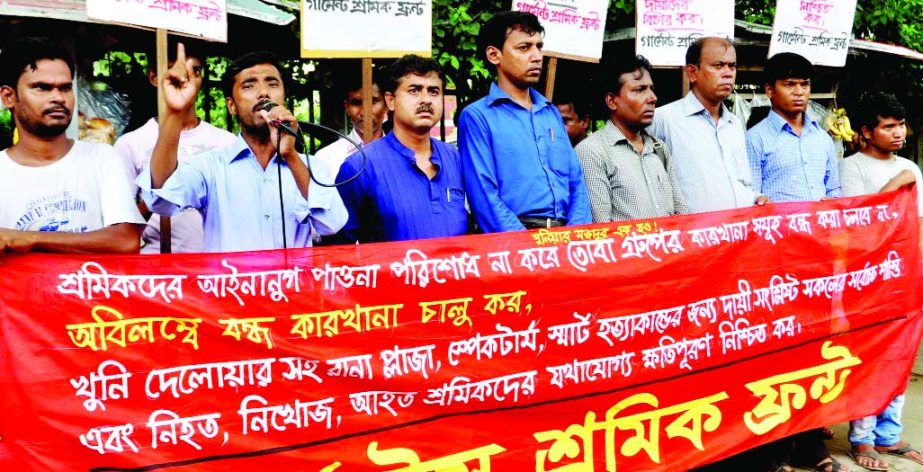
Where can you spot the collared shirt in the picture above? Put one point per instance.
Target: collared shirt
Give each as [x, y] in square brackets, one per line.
[711, 160]
[791, 168]
[138, 146]
[393, 200]
[624, 185]
[334, 154]
[519, 162]
[239, 200]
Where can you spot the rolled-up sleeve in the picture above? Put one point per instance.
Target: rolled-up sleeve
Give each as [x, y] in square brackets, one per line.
[186, 188]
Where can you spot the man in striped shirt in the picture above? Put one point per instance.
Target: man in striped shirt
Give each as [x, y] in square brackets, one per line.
[792, 159]
[706, 139]
[629, 173]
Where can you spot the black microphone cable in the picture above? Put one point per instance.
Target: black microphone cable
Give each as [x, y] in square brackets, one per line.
[299, 139]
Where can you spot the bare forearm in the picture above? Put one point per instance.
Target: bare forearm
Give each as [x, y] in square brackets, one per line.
[163, 159]
[118, 238]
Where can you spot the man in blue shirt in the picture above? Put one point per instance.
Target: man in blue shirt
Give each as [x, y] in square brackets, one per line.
[411, 185]
[244, 204]
[791, 157]
[519, 166]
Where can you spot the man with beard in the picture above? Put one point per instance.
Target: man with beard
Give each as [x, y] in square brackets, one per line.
[412, 184]
[57, 194]
[629, 173]
[706, 139]
[519, 166]
[244, 204]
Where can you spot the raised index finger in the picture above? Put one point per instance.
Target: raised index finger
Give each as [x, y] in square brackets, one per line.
[180, 70]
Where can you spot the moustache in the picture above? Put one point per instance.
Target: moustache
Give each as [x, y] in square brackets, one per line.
[425, 109]
[261, 105]
[57, 110]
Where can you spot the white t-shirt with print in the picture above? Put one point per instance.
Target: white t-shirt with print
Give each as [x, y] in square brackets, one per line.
[137, 147]
[85, 190]
[861, 174]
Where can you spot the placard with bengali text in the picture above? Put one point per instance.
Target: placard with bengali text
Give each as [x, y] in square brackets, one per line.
[665, 28]
[366, 28]
[819, 30]
[204, 18]
[626, 346]
[574, 29]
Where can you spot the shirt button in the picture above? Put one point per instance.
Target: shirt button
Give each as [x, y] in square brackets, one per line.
[265, 217]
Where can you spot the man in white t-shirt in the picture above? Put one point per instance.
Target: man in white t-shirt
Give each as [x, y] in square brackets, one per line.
[877, 169]
[196, 137]
[57, 194]
[334, 154]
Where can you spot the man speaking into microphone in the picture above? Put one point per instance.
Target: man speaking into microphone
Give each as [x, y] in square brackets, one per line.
[257, 193]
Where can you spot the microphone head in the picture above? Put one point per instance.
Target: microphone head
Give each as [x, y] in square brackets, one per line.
[268, 105]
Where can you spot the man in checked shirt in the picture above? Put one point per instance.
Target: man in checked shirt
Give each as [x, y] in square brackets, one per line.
[629, 173]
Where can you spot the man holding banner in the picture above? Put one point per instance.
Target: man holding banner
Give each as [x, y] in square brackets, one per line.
[629, 173]
[792, 158]
[411, 186]
[520, 169]
[706, 139]
[57, 194]
[878, 169]
[259, 192]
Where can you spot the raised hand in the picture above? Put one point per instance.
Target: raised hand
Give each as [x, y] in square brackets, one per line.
[179, 92]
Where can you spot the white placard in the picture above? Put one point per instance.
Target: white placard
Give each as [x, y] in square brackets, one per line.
[665, 28]
[573, 28]
[205, 18]
[366, 28]
[817, 29]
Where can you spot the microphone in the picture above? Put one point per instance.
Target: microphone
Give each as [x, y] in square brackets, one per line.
[268, 105]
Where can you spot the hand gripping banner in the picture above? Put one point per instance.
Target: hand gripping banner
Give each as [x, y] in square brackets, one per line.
[625, 346]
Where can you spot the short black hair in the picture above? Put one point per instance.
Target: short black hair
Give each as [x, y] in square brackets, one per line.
[411, 64]
[617, 68]
[245, 62]
[498, 27]
[694, 52]
[25, 53]
[787, 65]
[877, 104]
[352, 80]
[579, 107]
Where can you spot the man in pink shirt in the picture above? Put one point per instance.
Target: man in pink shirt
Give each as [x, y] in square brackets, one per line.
[196, 138]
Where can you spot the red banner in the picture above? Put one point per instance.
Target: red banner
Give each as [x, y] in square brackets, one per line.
[632, 346]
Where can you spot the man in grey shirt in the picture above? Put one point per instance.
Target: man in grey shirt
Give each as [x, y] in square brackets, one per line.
[629, 173]
[707, 140]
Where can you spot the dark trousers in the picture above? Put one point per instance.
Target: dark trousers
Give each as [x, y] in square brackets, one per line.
[806, 448]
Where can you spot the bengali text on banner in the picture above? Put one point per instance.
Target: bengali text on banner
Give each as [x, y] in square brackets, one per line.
[622, 346]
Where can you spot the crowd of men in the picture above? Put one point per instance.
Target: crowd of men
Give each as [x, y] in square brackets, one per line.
[522, 162]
